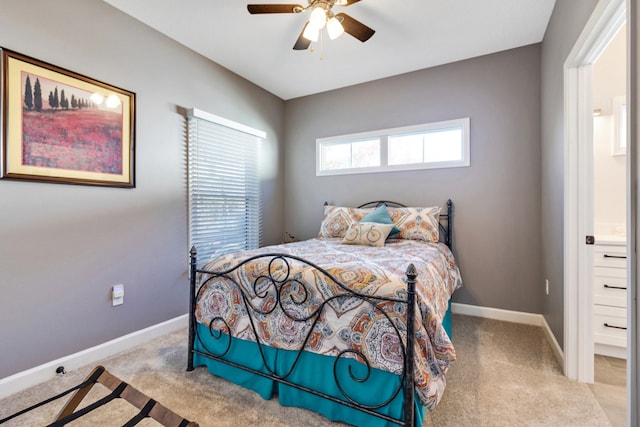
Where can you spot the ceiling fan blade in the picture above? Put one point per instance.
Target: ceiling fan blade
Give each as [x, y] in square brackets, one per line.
[354, 27]
[274, 8]
[302, 43]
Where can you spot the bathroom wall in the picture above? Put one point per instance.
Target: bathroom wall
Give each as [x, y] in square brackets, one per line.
[609, 170]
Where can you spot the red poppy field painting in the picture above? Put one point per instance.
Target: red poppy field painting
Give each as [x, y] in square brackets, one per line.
[89, 140]
[63, 127]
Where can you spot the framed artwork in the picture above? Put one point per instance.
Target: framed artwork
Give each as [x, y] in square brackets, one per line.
[62, 127]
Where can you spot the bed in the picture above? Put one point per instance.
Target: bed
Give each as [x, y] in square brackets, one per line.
[353, 324]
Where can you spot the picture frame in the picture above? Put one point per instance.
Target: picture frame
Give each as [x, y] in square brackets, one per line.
[59, 126]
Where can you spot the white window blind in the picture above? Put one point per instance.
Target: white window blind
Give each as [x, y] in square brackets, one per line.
[224, 187]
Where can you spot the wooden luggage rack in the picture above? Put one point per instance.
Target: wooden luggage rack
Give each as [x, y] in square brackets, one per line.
[148, 407]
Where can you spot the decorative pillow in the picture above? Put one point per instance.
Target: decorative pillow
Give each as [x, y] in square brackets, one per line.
[367, 233]
[381, 216]
[416, 223]
[337, 220]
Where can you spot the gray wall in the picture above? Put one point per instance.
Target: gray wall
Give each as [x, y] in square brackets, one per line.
[497, 199]
[567, 21]
[62, 247]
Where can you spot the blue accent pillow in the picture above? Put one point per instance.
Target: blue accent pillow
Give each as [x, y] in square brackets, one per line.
[381, 216]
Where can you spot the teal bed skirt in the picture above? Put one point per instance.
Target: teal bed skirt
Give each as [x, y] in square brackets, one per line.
[312, 371]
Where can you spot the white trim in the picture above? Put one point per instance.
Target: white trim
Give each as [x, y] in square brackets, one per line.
[555, 346]
[605, 21]
[497, 314]
[39, 374]
[633, 237]
[200, 114]
[571, 232]
[585, 223]
[514, 317]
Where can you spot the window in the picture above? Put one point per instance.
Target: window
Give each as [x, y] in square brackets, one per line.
[349, 155]
[224, 188]
[428, 146]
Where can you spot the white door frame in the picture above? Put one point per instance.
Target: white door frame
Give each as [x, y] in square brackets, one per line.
[606, 20]
[633, 209]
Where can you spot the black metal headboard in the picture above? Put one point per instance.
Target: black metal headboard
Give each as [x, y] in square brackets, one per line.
[446, 220]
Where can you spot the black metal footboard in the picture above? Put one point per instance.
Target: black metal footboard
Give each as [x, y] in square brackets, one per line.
[285, 291]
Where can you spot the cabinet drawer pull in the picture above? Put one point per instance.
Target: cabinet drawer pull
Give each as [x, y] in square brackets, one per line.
[615, 287]
[615, 327]
[615, 256]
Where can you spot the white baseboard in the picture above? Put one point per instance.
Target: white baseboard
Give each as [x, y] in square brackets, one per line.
[512, 316]
[45, 372]
[39, 374]
[555, 346]
[497, 314]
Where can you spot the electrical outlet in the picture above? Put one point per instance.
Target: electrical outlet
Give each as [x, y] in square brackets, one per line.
[117, 295]
[546, 286]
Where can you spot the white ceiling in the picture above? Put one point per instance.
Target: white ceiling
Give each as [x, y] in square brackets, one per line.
[410, 35]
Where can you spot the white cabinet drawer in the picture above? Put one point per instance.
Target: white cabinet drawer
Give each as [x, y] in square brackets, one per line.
[610, 256]
[609, 325]
[610, 291]
[610, 272]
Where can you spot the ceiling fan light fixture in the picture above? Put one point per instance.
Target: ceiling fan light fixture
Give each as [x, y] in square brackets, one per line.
[318, 18]
[334, 28]
[320, 15]
[311, 33]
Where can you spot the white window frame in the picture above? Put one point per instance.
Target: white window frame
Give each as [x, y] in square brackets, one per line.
[383, 135]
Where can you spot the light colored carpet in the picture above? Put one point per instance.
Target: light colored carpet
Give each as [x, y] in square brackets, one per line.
[505, 375]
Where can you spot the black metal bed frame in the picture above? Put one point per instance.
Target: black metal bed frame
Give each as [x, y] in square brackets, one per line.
[279, 288]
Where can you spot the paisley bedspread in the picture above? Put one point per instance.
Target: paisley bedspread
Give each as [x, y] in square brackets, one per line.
[335, 320]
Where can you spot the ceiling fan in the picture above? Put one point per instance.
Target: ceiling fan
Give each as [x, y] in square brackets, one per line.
[321, 16]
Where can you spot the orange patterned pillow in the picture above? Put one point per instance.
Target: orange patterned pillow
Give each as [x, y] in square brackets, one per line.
[416, 223]
[337, 220]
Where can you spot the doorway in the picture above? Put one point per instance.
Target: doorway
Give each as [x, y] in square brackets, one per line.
[608, 16]
[609, 88]
[610, 272]
[605, 23]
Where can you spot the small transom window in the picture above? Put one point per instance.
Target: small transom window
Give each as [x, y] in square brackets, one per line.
[427, 146]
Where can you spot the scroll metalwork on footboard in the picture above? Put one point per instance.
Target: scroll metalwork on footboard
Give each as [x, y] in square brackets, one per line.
[280, 289]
